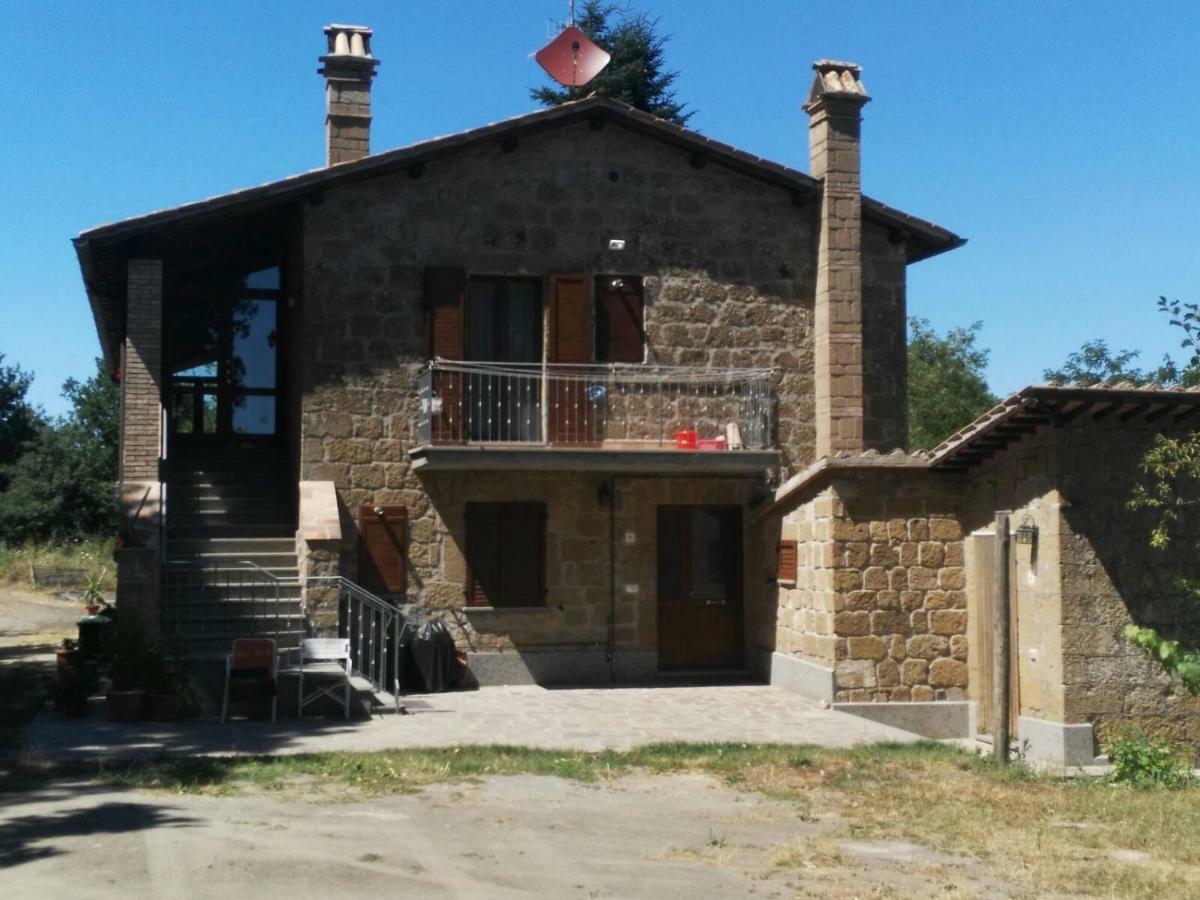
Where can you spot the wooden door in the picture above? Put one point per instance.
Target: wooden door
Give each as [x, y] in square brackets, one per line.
[445, 293]
[982, 618]
[383, 549]
[699, 587]
[570, 406]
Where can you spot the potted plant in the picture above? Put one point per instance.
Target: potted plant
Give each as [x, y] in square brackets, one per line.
[93, 597]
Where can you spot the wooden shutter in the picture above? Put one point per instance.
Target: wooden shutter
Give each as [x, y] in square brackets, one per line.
[523, 554]
[570, 342]
[483, 554]
[570, 319]
[786, 562]
[620, 319]
[445, 300]
[383, 548]
[506, 554]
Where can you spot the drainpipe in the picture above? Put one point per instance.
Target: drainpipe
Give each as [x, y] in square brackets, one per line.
[1001, 701]
[611, 655]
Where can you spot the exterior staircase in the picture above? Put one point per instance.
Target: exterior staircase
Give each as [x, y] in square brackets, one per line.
[230, 565]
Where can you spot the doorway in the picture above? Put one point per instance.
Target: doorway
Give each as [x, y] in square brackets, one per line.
[699, 587]
[223, 361]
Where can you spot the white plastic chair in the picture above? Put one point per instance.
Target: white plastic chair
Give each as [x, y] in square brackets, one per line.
[326, 664]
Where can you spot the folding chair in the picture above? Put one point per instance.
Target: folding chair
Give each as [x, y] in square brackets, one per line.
[252, 662]
[326, 663]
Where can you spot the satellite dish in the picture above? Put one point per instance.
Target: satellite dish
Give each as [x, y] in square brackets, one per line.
[572, 59]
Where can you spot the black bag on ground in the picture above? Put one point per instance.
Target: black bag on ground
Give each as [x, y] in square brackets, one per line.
[436, 656]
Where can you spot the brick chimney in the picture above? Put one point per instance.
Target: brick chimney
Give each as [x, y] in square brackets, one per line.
[834, 107]
[349, 69]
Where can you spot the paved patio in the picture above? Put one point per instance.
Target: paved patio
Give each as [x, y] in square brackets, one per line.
[581, 719]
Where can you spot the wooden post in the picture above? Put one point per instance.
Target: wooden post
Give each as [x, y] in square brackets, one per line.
[1000, 639]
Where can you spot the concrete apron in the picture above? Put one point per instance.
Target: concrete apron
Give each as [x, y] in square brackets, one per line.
[586, 719]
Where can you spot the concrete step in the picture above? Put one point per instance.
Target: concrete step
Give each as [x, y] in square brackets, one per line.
[178, 591]
[192, 530]
[230, 545]
[234, 558]
[233, 506]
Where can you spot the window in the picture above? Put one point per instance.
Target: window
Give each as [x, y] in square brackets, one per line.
[504, 319]
[506, 554]
[785, 567]
[620, 324]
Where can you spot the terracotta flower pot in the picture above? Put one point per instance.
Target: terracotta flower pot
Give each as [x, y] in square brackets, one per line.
[125, 706]
[162, 707]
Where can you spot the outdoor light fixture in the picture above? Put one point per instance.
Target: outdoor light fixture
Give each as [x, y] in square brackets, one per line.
[1026, 532]
[617, 284]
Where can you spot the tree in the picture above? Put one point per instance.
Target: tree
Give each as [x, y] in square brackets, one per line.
[1095, 362]
[946, 384]
[636, 74]
[62, 486]
[1170, 488]
[18, 420]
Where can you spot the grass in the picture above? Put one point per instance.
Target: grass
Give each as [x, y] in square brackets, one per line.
[94, 556]
[1030, 830]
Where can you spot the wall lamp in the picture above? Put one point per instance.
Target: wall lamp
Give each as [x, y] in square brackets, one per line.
[1026, 533]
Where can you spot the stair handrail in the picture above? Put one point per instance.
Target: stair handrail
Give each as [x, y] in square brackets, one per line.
[391, 620]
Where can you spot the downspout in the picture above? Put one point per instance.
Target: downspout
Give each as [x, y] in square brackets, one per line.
[612, 579]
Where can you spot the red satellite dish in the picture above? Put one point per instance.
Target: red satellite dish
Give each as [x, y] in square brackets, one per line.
[572, 59]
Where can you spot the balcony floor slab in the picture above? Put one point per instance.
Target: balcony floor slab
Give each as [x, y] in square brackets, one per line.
[592, 459]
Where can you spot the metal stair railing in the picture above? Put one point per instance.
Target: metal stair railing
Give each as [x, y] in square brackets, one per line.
[374, 627]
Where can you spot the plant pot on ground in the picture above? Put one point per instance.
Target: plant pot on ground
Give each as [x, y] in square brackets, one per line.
[131, 668]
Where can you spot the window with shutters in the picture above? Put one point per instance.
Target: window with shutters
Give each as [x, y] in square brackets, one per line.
[506, 554]
[786, 562]
[620, 319]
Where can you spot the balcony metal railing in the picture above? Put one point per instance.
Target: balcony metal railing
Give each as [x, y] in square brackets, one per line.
[611, 406]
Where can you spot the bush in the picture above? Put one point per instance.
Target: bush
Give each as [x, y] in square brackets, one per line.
[1147, 762]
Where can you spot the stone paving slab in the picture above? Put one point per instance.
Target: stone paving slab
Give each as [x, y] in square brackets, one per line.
[579, 719]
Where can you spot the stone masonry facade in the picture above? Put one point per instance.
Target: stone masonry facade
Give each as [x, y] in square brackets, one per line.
[729, 276]
[880, 592]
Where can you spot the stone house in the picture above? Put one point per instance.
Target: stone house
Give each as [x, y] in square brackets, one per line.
[612, 399]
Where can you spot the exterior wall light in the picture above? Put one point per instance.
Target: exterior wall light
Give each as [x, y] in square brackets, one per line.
[1026, 534]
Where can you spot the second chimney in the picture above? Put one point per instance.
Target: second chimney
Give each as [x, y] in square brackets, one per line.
[348, 68]
[835, 109]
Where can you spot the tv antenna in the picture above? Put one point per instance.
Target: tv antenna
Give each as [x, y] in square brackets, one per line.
[572, 58]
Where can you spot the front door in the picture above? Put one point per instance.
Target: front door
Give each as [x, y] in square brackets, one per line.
[699, 587]
[223, 360]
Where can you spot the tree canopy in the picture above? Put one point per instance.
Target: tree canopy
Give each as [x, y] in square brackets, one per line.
[19, 420]
[60, 485]
[1096, 362]
[946, 384]
[637, 73]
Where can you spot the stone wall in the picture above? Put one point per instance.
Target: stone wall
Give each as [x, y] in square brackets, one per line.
[880, 594]
[1110, 577]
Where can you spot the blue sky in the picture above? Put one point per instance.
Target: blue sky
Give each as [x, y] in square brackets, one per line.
[1062, 139]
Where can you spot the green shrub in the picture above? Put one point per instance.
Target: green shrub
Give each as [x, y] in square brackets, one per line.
[1147, 762]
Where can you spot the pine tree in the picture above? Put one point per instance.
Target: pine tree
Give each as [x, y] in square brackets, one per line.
[636, 74]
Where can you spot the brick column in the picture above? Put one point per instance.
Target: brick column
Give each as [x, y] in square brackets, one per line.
[141, 373]
[835, 110]
[138, 561]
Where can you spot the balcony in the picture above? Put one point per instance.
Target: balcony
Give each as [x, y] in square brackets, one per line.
[599, 417]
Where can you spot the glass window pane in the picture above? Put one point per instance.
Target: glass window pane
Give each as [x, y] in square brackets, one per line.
[264, 279]
[208, 413]
[183, 410]
[201, 370]
[481, 320]
[254, 415]
[524, 322]
[254, 342]
[711, 552]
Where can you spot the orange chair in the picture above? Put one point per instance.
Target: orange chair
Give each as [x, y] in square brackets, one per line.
[252, 662]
